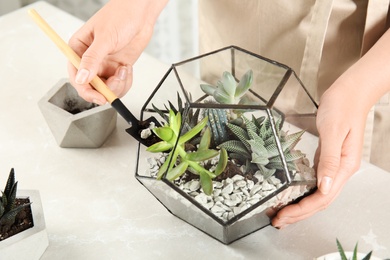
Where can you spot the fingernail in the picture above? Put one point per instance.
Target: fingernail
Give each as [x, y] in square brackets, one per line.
[98, 102]
[82, 76]
[122, 74]
[325, 185]
[282, 226]
[114, 84]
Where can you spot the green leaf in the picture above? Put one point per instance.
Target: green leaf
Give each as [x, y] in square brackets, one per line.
[201, 155]
[11, 199]
[239, 132]
[159, 147]
[176, 123]
[2, 209]
[222, 97]
[265, 171]
[206, 183]
[208, 89]
[368, 256]
[177, 171]
[341, 250]
[9, 217]
[165, 133]
[292, 140]
[10, 183]
[164, 167]
[259, 159]
[205, 140]
[235, 146]
[168, 164]
[223, 159]
[229, 83]
[354, 256]
[193, 132]
[244, 84]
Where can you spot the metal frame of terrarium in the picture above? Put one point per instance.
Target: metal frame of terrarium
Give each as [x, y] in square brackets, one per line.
[233, 229]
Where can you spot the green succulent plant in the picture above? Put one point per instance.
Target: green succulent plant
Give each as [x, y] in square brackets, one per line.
[8, 207]
[191, 115]
[179, 160]
[354, 256]
[217, 123]
[256, 144]
[228, 91]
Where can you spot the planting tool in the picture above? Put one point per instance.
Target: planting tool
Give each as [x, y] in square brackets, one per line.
[136, 125]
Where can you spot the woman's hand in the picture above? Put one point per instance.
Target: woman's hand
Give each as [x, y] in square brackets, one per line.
[341, 124]
[110, 43]
[341, 120]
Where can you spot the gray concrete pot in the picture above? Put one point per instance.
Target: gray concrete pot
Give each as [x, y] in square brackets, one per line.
[74, 122]
[31, 243]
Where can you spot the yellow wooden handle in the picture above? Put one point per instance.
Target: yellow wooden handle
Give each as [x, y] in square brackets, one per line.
[72, 56]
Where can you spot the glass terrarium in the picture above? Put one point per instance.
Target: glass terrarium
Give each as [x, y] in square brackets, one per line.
[236, 142]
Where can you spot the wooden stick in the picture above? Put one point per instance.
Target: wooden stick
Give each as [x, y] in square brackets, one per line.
[72, 56]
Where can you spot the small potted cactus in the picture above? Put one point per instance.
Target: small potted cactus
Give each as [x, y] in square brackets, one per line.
[235, 145]
[22, 227]
[348, 255]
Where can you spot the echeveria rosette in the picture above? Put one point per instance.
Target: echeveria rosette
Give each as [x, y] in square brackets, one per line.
[228, 91]
[169, 134]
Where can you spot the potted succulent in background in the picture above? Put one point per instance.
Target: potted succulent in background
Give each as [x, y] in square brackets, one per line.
[23, 232]
[348, 255]
[74, 122]
[234, 147]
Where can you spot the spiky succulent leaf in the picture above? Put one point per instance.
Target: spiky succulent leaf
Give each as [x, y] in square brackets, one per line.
[222, 162]
[265, 171]
[217, 123]
[272, 150]
[235, 146]
[161, 113]
[341, 250]
[10, 183]
[2, 209]
[292, 140]
[8, 218]
[11, 199]
[241, 134]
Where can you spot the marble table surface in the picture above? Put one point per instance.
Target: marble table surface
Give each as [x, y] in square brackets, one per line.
[96, 209]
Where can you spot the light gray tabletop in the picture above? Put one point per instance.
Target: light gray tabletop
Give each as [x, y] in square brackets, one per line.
[95, 208]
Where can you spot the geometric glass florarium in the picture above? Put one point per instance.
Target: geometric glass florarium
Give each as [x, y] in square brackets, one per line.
[252, 149]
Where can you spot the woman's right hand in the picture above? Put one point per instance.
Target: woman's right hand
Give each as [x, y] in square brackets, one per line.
[109, 44]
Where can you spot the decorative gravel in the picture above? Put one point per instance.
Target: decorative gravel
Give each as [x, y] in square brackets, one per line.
[234, 195]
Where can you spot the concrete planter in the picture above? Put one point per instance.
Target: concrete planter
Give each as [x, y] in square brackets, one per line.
[31, 243]
[74, 122]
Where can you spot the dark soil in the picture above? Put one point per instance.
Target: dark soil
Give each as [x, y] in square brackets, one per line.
[74, 108]
[230, 170]
[23, 221]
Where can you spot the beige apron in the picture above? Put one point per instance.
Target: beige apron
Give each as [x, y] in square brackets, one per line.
[318, 39]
